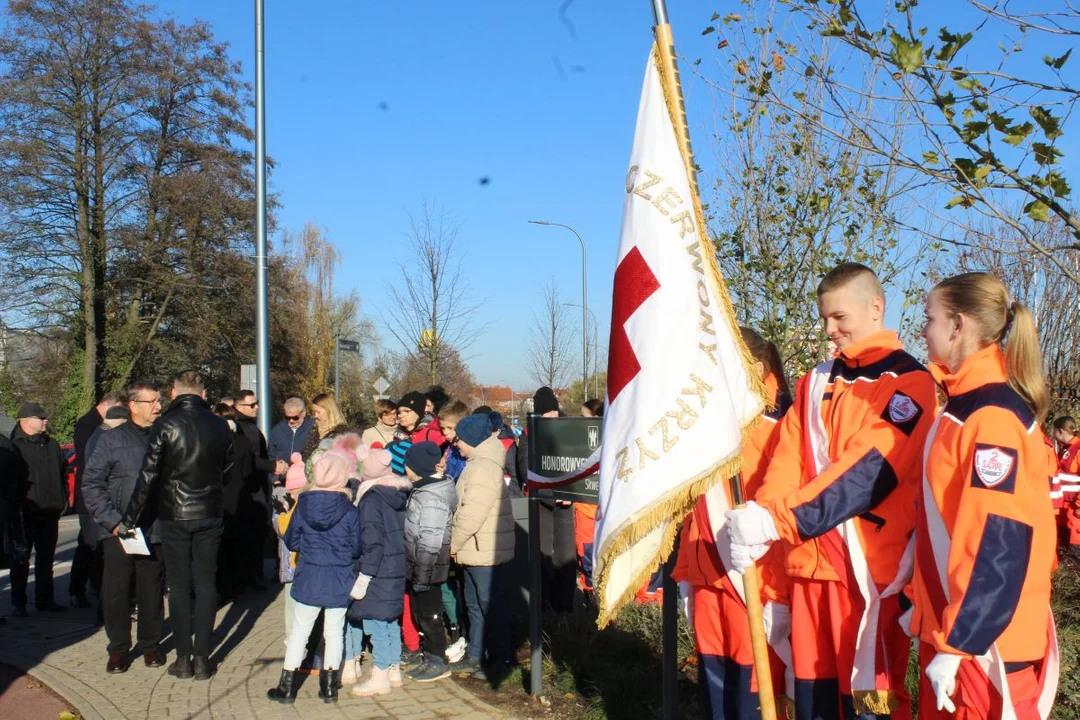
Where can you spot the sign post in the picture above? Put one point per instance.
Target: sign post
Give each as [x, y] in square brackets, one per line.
[381, 386]
[350, 346]
[557, 446]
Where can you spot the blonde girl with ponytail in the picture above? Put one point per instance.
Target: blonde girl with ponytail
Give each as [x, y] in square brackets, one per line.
[985, 540]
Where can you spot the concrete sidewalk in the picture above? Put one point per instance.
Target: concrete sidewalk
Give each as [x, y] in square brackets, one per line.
[67, 653]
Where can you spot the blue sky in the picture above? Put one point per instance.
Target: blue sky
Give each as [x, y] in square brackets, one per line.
[472, 90]
[501, 90]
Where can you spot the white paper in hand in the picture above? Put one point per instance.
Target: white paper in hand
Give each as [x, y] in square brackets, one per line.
[136, 544]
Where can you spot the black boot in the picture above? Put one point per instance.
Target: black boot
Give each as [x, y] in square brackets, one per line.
[285, 692]
[328, 685]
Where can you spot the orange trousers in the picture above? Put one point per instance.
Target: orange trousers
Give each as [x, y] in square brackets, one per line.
[975, 697]
[727, 680]
[825, 620]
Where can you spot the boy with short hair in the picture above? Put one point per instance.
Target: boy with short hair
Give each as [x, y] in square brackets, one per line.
[842, 489]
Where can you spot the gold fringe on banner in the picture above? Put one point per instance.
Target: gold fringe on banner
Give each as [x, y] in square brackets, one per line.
[874, 702]
[676, 505]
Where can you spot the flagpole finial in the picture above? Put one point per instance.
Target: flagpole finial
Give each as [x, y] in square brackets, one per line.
[659, 8]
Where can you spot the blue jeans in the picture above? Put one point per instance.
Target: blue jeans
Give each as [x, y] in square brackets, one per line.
[354, 640]
[489, 625]
[385, 642]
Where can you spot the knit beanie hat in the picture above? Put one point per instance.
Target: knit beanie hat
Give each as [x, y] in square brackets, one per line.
[374, 464]
[474, 429]
[295, 477]
[331, 471]
[415, 401]
[544, 401]
[422, 458]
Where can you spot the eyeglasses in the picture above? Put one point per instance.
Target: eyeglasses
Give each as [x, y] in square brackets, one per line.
[292, 418]
[251, 404]
[155, 401]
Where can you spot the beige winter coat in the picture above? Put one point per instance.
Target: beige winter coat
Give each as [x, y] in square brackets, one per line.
[483, 524]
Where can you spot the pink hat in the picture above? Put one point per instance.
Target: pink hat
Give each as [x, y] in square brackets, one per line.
[295, 478]
[331, 471]
[374, 464]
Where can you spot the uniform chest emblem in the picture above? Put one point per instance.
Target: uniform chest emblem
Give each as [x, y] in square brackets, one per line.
[993, 465]
[902, 408]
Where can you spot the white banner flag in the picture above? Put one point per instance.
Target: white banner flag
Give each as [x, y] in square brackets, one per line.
[679, 393]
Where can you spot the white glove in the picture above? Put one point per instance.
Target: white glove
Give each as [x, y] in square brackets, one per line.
[359, 588]
[743, 556]
[686, 597]
[751, 525]
[941, 672]
[777, 619]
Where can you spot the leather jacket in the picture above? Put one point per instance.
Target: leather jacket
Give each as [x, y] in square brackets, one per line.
[190, 451]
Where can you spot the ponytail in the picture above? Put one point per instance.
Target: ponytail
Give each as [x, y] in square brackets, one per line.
[1024, 360]
[985, 301]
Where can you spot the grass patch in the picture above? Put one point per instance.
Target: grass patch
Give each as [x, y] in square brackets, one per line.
[1066, 602]
[616, 671]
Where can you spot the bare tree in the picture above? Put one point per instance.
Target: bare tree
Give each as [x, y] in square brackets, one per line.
[1037, 283]
[549, 352]
[430, 310]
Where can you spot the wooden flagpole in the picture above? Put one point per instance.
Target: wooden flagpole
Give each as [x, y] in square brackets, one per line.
[669, 71]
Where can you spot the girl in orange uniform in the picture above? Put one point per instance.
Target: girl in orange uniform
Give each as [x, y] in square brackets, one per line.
[713, 603]
[985, 534]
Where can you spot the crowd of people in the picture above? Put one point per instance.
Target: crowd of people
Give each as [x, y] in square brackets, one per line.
[394, 539]
[888, 502]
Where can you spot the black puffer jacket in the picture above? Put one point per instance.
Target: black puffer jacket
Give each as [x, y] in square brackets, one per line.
[110, 475]
[190, 451]
[382, 551]
[429, 516]
[38, 472]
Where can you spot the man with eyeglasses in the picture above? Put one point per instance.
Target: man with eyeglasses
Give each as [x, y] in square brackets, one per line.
[112, 470]
[291, 434]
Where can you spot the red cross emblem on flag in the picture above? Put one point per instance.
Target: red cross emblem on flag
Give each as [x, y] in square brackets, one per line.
[634, 284]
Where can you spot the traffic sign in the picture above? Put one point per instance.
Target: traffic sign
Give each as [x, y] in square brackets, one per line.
[348, 345]
[381, 385]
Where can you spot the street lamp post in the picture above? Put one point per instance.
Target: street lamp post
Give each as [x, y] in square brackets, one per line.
[596, 340]
[262, 305]
[584, 302]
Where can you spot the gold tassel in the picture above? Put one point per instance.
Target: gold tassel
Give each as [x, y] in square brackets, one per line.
[874, 702]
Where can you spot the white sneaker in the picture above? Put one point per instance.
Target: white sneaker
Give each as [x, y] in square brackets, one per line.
[455, 652]
[395, 676]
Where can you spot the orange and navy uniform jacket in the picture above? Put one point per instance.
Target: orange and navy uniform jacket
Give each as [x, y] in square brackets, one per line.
[877, 408]
[699, 562]
[986, 469]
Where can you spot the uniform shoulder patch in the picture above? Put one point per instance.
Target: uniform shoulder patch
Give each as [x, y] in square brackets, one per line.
[903, 412]
[994, 467]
